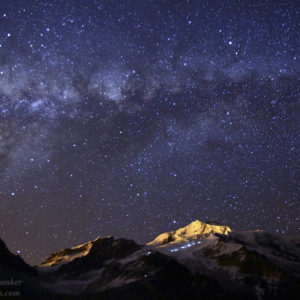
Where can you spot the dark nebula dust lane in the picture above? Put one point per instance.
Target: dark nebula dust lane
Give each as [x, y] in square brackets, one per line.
[131, 118]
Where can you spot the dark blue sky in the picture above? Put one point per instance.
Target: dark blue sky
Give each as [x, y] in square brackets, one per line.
[131, 118]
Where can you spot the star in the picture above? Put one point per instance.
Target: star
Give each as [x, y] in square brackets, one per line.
[136, 118]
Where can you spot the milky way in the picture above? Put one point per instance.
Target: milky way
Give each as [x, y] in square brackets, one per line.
[130, 118]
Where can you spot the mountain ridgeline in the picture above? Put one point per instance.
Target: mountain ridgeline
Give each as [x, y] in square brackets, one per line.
[198, 261]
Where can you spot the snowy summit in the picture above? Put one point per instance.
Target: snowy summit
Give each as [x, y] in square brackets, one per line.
[195, 230]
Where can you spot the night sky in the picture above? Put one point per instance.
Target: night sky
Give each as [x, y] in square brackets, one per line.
[131, 118]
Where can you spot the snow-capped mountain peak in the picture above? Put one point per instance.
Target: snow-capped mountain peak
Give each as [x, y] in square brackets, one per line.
[195, 230]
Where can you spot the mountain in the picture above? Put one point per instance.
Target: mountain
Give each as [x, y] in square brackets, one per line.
[195, 230]
[14, 262]
[255, 264]
[89, 256]
[198, 261]
[19, 279]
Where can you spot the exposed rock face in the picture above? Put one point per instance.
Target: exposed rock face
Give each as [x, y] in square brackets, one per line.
[67, 255]
[152, 276]
[194, 230]
[91, 255]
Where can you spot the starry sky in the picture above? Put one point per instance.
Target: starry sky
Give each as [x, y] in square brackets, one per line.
[132, 118]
